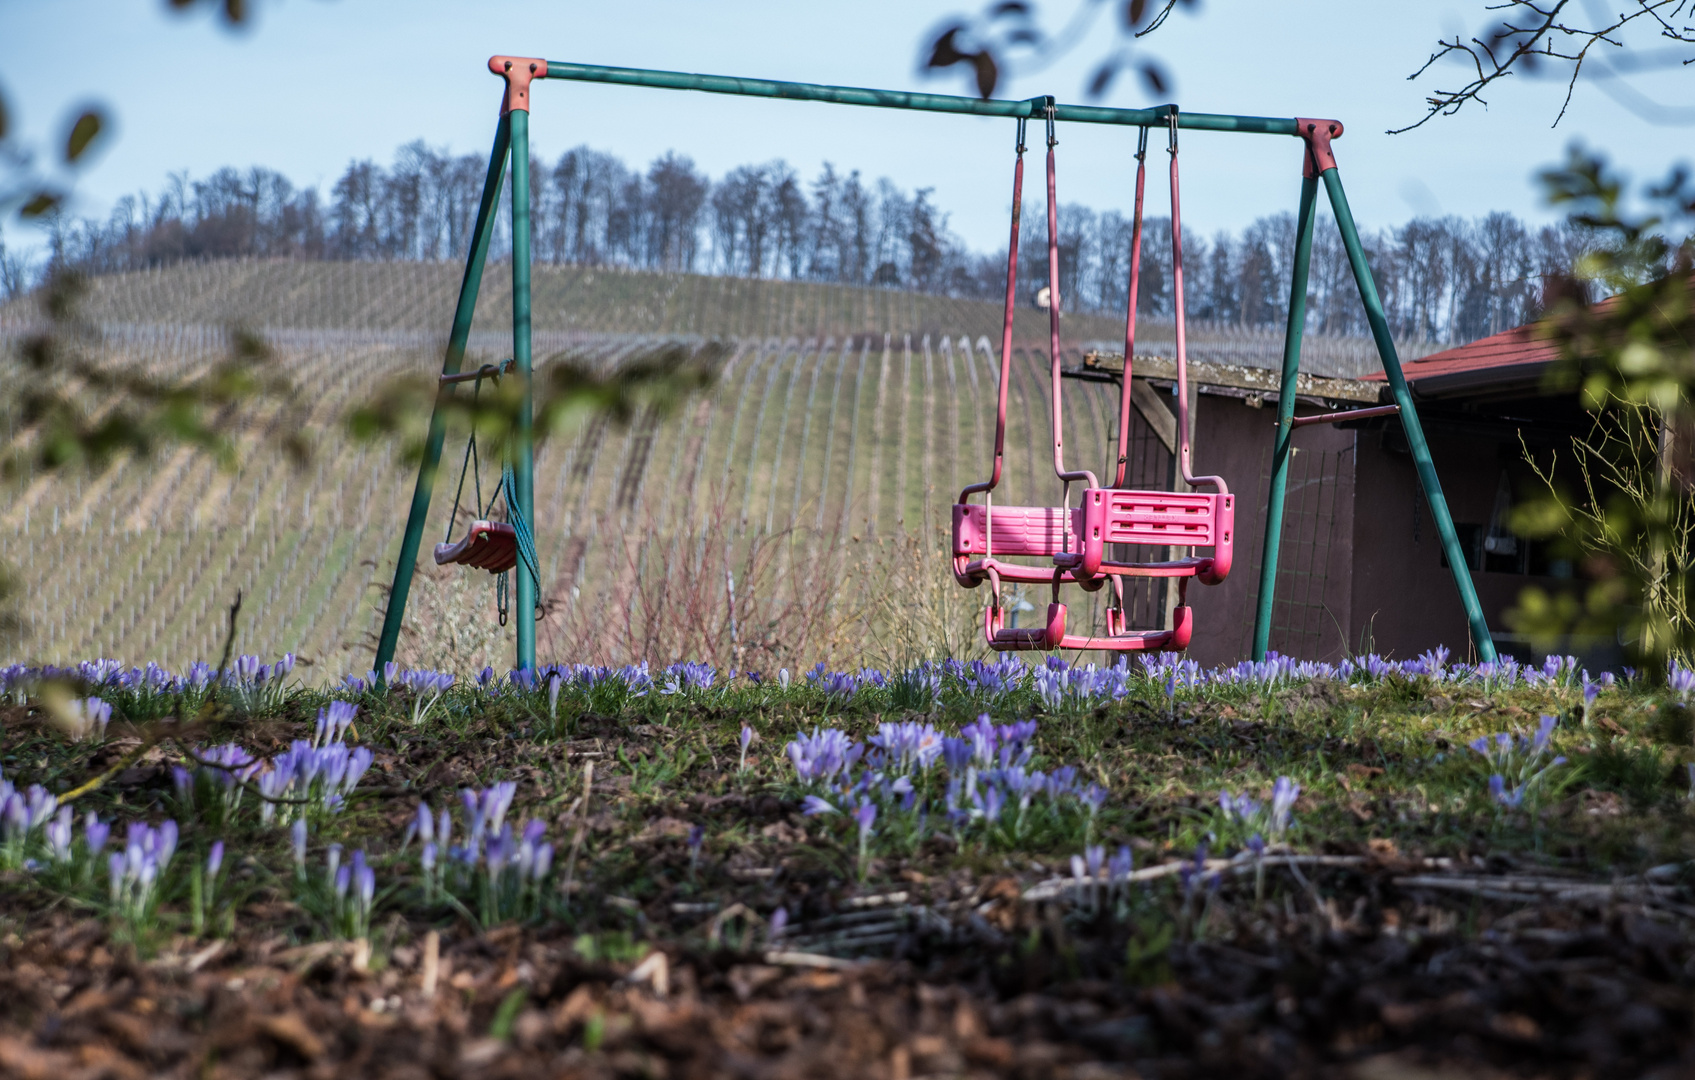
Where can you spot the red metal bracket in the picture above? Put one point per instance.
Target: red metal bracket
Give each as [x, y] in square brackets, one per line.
[517, 71]
[1345, 414]
[1317, 135]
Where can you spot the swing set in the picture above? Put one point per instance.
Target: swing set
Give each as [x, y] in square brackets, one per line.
[1060, 545]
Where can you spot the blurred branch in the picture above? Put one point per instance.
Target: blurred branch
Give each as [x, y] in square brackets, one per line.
[1007, 38]
[1534, 33]
[567, 389]
[77, 405]
[24, 189]
[1631, 358]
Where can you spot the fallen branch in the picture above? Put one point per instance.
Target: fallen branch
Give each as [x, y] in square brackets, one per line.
[1525, 888]
[786, 958]
[1054, 888]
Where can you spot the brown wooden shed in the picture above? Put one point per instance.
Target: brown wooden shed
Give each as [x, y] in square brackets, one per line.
[1362, 568]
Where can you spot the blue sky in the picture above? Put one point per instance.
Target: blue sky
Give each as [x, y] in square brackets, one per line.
[314, 83]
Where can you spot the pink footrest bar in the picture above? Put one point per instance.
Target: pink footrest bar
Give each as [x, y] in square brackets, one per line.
[1002, 638]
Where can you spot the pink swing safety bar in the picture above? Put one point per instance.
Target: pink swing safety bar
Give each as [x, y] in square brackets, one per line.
[1074, 540]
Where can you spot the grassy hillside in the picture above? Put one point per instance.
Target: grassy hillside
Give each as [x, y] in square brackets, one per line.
[816, 475]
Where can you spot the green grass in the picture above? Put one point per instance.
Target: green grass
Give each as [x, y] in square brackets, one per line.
[1383, 767]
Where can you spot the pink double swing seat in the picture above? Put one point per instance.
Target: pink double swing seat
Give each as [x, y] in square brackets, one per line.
[1074, 540]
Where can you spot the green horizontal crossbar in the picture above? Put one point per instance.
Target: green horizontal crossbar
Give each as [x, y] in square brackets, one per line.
[901, 99]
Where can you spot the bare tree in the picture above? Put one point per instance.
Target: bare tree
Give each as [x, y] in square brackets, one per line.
[678, 193]
[1570, 41]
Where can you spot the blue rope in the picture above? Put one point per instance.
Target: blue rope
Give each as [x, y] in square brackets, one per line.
[515, 516]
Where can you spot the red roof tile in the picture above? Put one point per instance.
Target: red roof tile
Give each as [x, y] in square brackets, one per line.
[1518, 348]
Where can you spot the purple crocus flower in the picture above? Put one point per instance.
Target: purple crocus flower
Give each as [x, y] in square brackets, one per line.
[167, 842]
[956, 754]
[823, 754]
[813, 805]
[1283, 795]
[215, 858]
[364, 881]
[422, 825]
[88, 718]
[908, 744]
[297, 839]
[183, 781]
[1679, 679]
[95, 833]
[1121, 865]
[1093, 797]
[1507, 797]
[58, 833]
[333, 722]
[1238, 807]
[865, 814]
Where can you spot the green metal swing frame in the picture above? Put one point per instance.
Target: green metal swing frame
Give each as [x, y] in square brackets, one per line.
[511, 147]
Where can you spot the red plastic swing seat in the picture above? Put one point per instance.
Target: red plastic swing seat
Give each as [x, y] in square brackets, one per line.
[489, 545]
[1074, 541]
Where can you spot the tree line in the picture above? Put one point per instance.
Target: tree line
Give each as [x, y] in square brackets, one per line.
[1442, 279]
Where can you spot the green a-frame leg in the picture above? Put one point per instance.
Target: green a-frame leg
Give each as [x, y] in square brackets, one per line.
[512, 143]
[1320, 164]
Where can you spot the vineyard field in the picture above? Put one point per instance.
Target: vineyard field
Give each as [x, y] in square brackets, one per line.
[813, 480]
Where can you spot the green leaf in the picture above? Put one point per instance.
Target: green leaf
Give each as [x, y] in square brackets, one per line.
[43, 202]
[1155, 77]
[501, 1026]
[988, 74]
[83, 133]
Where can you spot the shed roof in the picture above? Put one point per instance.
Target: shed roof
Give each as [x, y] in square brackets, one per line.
[1513, 361]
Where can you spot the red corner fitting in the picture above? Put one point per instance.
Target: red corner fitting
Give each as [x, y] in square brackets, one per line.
[517, 71]
[1317, 135]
